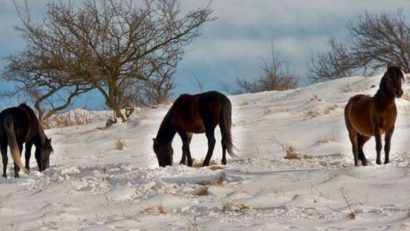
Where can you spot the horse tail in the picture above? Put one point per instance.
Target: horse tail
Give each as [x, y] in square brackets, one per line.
[225, 125]
[12, 140]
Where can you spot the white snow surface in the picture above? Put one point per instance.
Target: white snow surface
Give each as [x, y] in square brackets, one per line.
[91, 185]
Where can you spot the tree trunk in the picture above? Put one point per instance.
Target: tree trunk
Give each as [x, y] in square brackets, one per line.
[115, 105]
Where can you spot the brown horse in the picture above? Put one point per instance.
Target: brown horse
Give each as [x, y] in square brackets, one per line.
[195, 114]
[367, 116]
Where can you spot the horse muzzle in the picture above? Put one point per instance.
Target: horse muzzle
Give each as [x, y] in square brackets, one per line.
[399, 93]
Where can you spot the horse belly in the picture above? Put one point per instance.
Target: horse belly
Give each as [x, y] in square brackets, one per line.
[363, 127]
[194, 126]
[359, 115]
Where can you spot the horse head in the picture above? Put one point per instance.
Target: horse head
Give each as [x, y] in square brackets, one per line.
[393, 79]
[43, 159]
[164, 152]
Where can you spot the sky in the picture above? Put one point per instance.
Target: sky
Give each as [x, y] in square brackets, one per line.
[240, 40]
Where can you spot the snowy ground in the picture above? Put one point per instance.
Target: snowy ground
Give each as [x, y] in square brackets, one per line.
[92, 185]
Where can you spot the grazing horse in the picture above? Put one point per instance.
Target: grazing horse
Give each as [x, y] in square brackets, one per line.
[195, 114]
[19, 125]
[367, 116]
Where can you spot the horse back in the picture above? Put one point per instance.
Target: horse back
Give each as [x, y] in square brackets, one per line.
[25, 127]
[193, 113]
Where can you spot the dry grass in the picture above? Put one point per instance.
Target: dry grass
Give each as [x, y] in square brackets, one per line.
[291, 154]
[234, 206]
[119, 144]
[311, 114]
[329, 109]
[69, 119]
[307, 157]
[202, 191]
[315, 98]
[157, 210]
[216, 167]
[351, 215]
[197, 163]
[161, 209]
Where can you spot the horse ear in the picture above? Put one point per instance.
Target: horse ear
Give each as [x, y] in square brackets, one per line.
[49, 140]
[388, 66]
[402, 68]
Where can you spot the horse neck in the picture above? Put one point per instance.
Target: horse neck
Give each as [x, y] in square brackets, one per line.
[383, 99]
[166, 131]
[41, 136]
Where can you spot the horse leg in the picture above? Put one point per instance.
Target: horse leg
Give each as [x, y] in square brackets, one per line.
[353, 140]
[29, 145]
[379, 145]
[224, 143]
[387, 143]
[16, 168]
[5, 159]
[186, 140]
[361, 140]
[211, 144]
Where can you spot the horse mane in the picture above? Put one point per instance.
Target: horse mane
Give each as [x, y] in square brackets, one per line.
[391, 71]
[166, 131]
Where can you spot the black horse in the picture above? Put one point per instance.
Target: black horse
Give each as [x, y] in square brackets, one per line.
[195, 114]
[19, 125]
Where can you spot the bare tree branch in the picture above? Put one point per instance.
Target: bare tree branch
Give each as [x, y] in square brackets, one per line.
[374, 41]
[116, 47]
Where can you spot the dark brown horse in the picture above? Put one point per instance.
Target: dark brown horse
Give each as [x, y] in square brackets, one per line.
[368, 116]
[20, 125]
[195, 114]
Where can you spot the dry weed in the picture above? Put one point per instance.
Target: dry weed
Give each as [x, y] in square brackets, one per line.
[291, 154]
[352, 214]
[202, 191]
[69, 119]
[197, 163]
[234, 206]
[157, 210]
[119, 144]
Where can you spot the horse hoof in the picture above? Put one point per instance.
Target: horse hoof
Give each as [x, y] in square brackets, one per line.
[364, 163]
[5, 175]
[378, 162]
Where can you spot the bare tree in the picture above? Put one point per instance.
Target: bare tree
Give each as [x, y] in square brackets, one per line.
[334, 64]
[276, 76]
[374, 41]
[112, 46]
[33, 79]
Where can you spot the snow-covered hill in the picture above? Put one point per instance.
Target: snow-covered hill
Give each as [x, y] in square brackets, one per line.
[92, 185]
